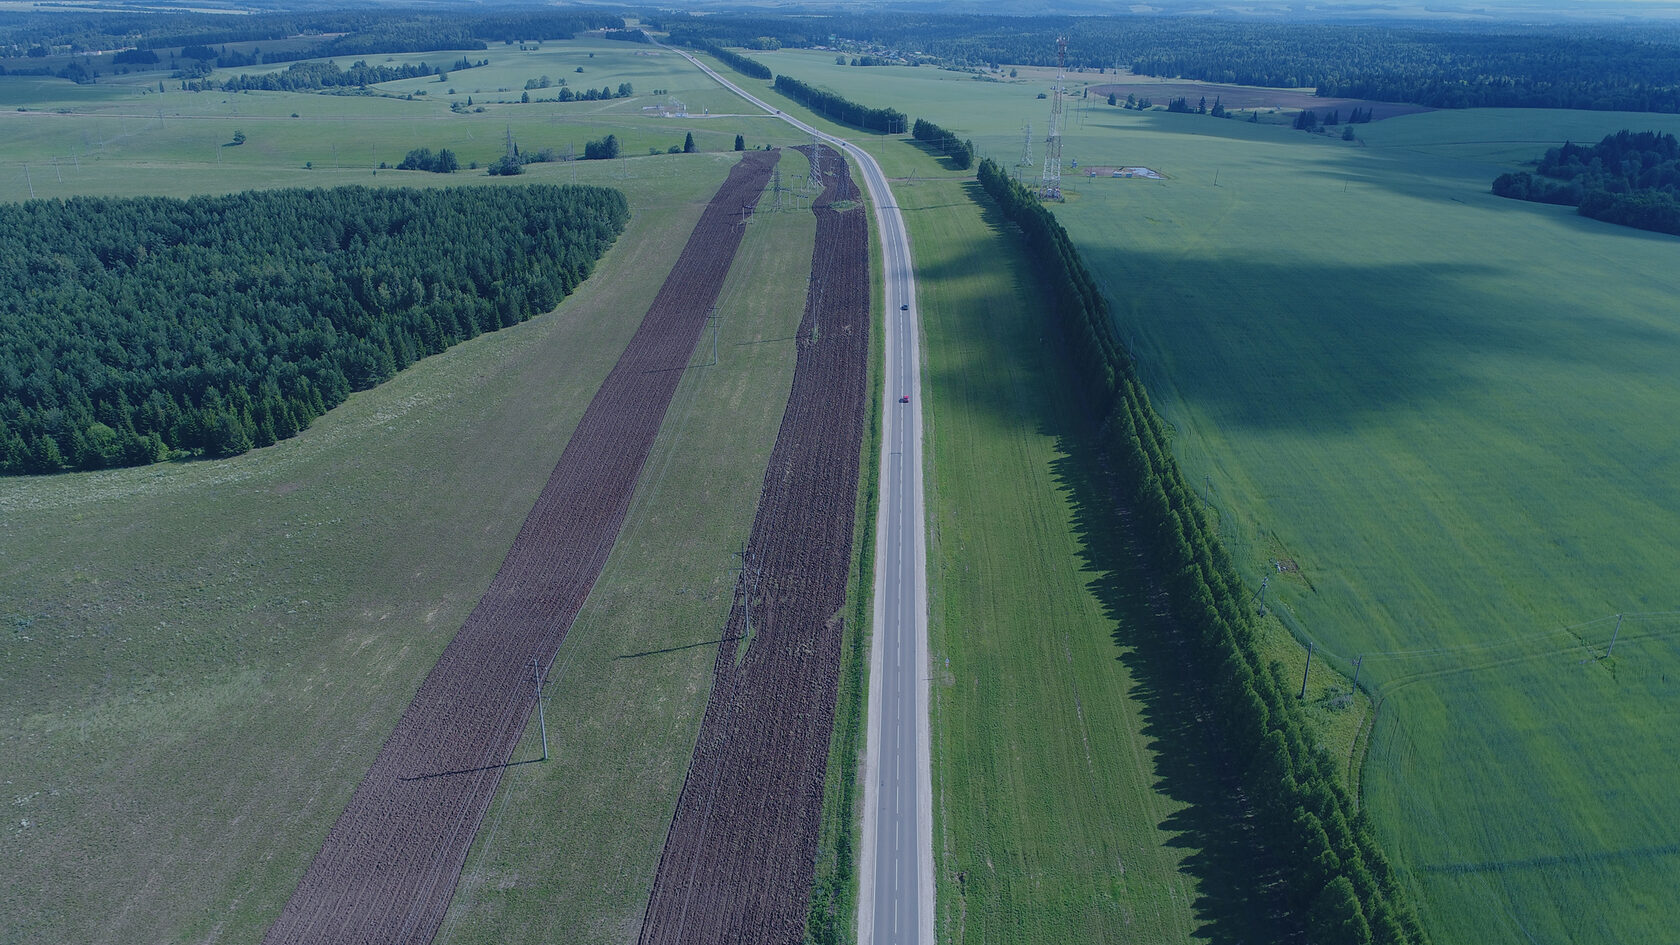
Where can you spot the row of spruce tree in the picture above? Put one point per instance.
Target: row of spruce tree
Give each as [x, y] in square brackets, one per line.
[960, 152]
[888, 121]
[1337, 883]
[734, 60]
[133, 328]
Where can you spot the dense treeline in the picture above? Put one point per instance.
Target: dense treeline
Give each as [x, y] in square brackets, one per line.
[959, 151]
[1632, 67]
[1630, 179]
[312, 76]
[133, 327]
[823, 102]
[748, 67]
[416, 34]
[344, 32]
[625, 36]
[1338, 885]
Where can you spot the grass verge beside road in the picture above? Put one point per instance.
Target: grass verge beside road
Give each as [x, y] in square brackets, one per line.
[1049, 825]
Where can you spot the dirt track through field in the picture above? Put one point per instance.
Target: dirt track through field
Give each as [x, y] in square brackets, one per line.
[388, 869]
[739, 859]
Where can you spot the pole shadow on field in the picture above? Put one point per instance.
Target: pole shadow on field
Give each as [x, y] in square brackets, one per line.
[675, 649]
[447, 774]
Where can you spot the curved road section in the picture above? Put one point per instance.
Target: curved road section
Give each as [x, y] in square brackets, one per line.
[895, 902]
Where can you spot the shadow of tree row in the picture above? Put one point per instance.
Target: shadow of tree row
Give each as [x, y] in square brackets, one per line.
[1236, 879]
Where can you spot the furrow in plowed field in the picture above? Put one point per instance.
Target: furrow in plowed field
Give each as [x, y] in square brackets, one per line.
[388, 869]
[739, 859]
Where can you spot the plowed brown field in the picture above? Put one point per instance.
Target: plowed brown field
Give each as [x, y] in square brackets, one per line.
[389, 866]
[738, 862]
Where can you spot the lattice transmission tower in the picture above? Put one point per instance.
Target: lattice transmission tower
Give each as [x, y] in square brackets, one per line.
[1052, 186]
[815, 178]
[1026, 145]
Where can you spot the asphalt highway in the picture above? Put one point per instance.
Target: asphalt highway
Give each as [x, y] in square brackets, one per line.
[896, 878]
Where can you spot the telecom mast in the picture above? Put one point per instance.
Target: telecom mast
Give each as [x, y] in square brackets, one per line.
[1052, 187]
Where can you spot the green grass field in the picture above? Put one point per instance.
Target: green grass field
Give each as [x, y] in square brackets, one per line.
[1452, 414]
[201, 659]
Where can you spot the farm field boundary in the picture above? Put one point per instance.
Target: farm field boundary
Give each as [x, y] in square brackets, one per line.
[739, 859]
[389, 866]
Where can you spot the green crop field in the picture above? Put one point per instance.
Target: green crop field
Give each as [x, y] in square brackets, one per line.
[1441, 423]
[200, 659]
[1452, 414]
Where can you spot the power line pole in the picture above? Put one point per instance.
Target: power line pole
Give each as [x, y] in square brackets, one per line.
[542, 723]
[1613, 636]
[1356, 665]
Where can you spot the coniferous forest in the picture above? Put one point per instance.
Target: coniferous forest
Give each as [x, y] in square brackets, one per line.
[1630, 179]
[134, 328]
